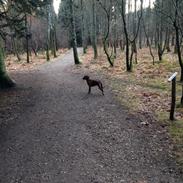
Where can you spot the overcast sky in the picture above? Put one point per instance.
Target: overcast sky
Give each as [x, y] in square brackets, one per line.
[57, 2]
[56, 5]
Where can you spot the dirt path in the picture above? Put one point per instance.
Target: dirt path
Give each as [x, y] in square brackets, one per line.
[62, 135]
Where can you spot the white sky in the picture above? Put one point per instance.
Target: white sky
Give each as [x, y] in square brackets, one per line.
[56, 5]
[145, 2]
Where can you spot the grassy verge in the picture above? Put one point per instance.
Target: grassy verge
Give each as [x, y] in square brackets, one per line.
[145, 90]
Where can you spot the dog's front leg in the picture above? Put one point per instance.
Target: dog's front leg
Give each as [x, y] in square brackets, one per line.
[89, 91]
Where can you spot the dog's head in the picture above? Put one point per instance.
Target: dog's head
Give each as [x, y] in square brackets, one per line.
[85, 77]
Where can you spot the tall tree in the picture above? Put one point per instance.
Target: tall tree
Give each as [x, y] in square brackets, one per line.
[94, 36]
[73, 32]
[121, 4]
[68, 17]
[107, 8]
[12, 16]
[174, 16]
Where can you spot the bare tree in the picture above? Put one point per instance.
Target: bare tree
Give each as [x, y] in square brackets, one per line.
[107, 8]
[128, 40]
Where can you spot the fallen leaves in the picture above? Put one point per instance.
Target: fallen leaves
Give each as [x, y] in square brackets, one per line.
[13, 65]
[146, 88]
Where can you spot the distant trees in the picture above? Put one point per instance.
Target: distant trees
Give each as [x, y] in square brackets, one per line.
[128, 24]
[172, 11]
[118, 25]
[12, 16]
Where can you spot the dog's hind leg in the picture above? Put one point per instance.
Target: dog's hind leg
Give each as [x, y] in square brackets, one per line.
[101, 88]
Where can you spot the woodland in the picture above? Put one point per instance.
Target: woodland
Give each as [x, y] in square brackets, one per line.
[136, 44]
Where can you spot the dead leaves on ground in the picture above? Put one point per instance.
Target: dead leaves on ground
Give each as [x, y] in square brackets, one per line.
[147, 84]
[13, 65]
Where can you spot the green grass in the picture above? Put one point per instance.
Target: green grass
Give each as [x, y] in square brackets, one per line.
[176, 131]
[162, 116]
[156, 84]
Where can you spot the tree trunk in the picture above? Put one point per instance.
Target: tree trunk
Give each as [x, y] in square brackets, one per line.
[173, 40]
[53, 43]
[134, 31]
[27, 48]
[15, 49]
[160, 53]
[150, 48]
[5, 81]
[56, 42]
[84, 42]
[107, 54]
[94, 37]
[27, 39]
[140, 38]
[128, 65]
[115, 49]
[106, 42]
[178, 46]
[181, 101]
[73, 32]
[168, 41]
[48, 34]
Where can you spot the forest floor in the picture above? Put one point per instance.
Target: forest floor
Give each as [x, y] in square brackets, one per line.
[145, 91]
[13, 65]
[52, 131]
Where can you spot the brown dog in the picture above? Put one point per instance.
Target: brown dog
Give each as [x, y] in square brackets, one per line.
[92, 83]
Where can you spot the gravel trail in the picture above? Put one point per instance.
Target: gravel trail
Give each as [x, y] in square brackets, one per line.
[60, 134]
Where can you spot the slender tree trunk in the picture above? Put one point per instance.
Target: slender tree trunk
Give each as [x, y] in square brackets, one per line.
[53, 43]
[73, 32]
[106, 42]
[168, 41]
[115, 49]
[15, 49]
[94, 36]
[134, 31]
[121, 45]
[33, 49]
[55, 35]
[159, 54]
[27, 38]
[173, 41]
[156, 40]
[115, 35]
[83, 29]
[48, 34]
[128, 66]
[140, 37]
